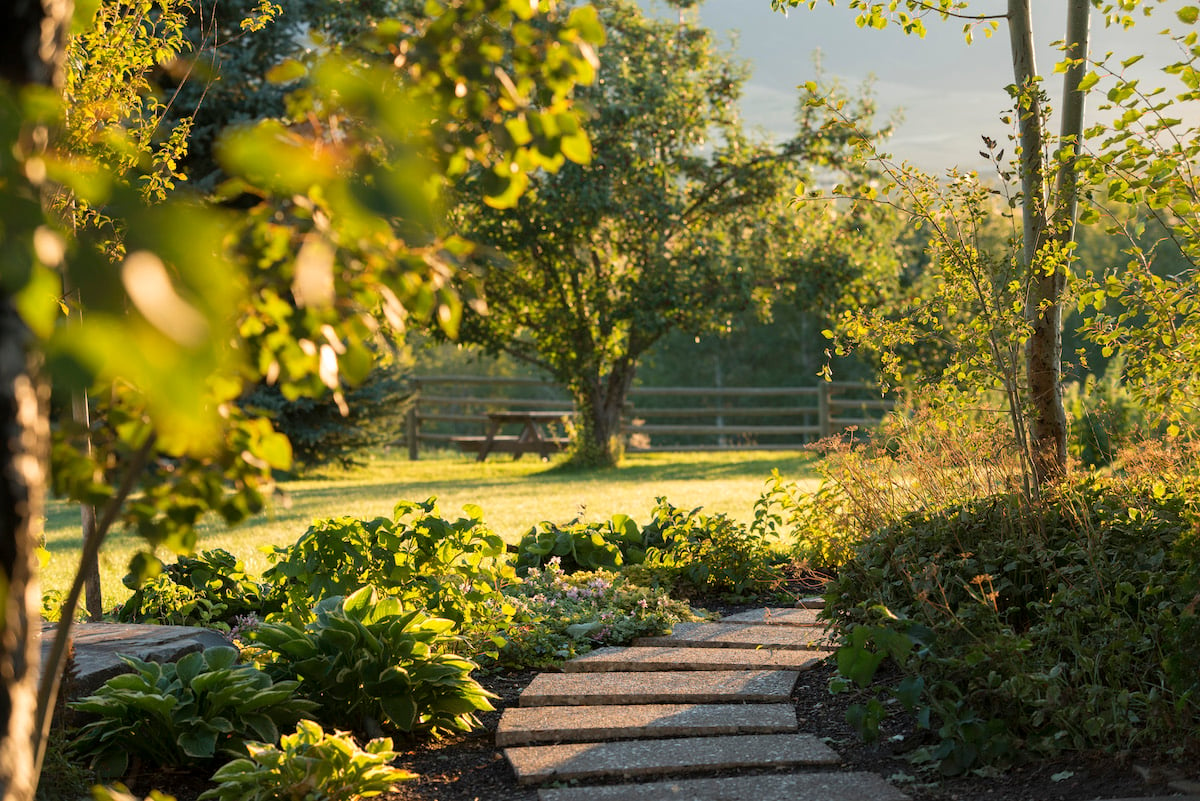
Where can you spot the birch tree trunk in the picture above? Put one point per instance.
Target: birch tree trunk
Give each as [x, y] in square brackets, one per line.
[1043, 236]
[32, 38]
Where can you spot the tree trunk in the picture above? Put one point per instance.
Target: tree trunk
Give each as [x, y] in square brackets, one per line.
[1047, 275]
[598, 405]
[32, 44]
[24, 440]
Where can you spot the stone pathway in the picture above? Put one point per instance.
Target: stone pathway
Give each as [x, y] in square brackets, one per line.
[710, 699]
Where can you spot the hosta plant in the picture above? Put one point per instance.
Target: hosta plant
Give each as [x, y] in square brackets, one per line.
[312, 765]
[180, 712]
[370, 664]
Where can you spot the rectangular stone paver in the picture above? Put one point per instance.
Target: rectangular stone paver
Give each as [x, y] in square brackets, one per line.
[725, 635]
[575, 724]
[631, 758]
[631, 658]
[776, 617]
[823, 786]
[667, 687]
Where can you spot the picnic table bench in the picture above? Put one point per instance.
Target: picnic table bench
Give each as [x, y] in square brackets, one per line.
[532, 438]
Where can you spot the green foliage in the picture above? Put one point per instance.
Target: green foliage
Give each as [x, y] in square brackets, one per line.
[448, 569]
[206, 590]
[337, 229]
[177, 713]
[161, 600]
[1139, 158]
[369, 664]
[712, 553]
[321, 433]
[118, 116]
[62, 778]
[814, 525]
[583, 546]
[668, 226]
[197, 325]
[560, 616]
[1031, 629]
[1104, 416]
[119, 792]
[309, 764]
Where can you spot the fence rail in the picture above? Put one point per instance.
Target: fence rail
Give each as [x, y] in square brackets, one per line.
[446, 408]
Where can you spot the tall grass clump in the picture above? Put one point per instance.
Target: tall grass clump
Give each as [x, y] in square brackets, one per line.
[916, 460]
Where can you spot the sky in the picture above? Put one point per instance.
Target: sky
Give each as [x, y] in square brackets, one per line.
[949, 93]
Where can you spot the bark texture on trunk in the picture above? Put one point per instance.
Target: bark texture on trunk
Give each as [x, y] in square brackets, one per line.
[32, 46]
[24, 437]
[598, 405]
[1041, 235]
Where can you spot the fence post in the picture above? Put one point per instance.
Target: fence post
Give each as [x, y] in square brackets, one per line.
[824, 391]
[411, 423]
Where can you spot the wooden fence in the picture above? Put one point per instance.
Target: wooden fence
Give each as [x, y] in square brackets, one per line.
[656, 418]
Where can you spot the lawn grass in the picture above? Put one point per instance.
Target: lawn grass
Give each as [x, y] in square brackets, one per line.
[513, 494]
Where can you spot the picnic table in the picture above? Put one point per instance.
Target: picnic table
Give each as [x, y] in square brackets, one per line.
[533, 437]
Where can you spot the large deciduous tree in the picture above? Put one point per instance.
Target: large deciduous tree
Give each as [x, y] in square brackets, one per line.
[665, 228]
[187, 303]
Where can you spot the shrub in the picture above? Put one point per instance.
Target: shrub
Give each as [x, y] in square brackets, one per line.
[583, 546]
[449, 570]
[712, 553]
[179, 712]
[210, 590]
[310, 765]
[370, 664]
[1024, 627]
[812, 526]
[559, 617]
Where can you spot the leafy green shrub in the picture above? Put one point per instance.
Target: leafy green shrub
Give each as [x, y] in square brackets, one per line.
[1022, 628]
[180, 712]
[369, 664]
[450, 570]
[206, 590]
[311, 765]
[813, 525]
[161, 600]
[1103, 415]
[712, 553]
[561, 616]
[583, 546]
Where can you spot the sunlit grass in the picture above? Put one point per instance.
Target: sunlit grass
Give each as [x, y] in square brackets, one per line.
[513, 494]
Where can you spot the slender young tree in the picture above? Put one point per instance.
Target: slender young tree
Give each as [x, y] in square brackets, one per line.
[1049, 168]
